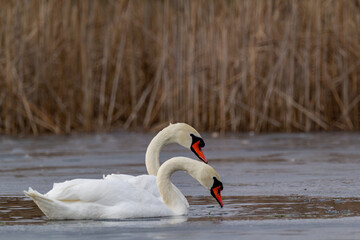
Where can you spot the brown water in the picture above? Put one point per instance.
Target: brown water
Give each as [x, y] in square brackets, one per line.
[276, 186]
[21, 210]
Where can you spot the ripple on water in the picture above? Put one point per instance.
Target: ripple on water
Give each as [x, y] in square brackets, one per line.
[21, 210]
[272, 207]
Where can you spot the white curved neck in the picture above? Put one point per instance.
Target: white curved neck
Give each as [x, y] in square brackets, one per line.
[171, 198]
[152, 160]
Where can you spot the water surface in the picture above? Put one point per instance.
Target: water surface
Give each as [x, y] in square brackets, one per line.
[276, 186]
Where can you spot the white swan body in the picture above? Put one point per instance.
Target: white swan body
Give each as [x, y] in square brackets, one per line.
[180, 133]
[108, 198]
[124, 196]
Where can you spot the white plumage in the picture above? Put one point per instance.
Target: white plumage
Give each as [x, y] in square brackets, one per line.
[121, 196]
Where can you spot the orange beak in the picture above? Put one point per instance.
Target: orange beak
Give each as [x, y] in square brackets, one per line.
[198, 152]
[216, 193]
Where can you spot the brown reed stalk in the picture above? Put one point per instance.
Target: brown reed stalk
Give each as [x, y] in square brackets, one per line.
[218, 65]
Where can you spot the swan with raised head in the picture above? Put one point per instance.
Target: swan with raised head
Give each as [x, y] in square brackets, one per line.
[180, 133]
[124, 196]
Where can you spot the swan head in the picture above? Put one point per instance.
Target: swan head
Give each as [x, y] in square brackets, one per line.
[210, 179]
[188, 137]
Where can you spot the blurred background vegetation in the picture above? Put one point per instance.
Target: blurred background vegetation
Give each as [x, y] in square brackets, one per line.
[218, 65]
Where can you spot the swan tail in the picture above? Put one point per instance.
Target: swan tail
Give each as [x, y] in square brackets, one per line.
[45, 204]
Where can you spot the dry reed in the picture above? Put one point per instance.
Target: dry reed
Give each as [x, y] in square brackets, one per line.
[219, 65]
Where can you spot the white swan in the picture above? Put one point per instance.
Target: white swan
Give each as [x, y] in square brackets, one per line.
[124, 196]
[180, 133]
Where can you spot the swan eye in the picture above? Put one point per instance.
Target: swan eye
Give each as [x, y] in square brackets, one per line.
[217, 183]
[195, 139]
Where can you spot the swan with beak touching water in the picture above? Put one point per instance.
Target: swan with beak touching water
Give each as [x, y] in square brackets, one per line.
[124, 196]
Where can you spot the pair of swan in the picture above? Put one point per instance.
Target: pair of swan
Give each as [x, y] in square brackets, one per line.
[120, 196]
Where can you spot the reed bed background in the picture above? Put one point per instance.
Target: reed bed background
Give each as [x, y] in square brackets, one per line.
[218, 65]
